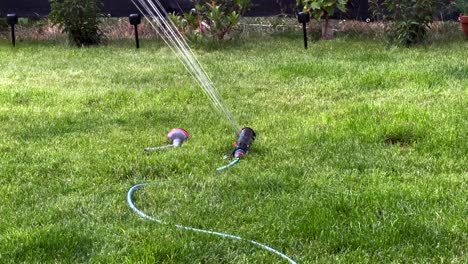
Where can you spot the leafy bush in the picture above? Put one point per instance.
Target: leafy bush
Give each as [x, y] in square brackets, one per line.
[32, 22]
[80, 19]
[323, 9]
[376, 10]
[213, 19]
[408, 20]
[3, 24]
[462, 6]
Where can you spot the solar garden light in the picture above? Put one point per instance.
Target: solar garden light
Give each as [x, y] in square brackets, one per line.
[304, 18]
[135, 20]
[12, 20]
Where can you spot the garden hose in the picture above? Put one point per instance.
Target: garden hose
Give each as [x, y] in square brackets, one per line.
[224, 235]
[159, 148]
[234, 162]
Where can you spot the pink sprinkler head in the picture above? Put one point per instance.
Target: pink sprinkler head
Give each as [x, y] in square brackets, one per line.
[177, 136]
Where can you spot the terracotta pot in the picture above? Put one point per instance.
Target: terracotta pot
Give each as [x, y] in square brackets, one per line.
[464, 24]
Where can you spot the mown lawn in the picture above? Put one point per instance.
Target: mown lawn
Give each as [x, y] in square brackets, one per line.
[361, 153]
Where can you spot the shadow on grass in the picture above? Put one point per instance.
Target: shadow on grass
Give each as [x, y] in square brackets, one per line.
[379, 223]
[46, 128]
[54, 244]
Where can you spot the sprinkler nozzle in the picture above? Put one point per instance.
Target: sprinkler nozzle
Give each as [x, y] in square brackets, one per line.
[241, 146]
[176, 136]
[243, 143]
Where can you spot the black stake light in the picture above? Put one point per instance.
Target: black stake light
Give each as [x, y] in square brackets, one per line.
[304, 18]
[135, 20]
[12, 20]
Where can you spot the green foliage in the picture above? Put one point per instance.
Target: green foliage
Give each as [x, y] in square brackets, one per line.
[461, 6]
[407, 32]
[408, 20]
[3, 24]
[323, 8]
[80, 19]
[211, 20]
[23, 22]
[376, 9]
[32, 22]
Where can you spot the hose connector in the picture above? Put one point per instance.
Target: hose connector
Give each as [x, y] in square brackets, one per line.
[239, 153]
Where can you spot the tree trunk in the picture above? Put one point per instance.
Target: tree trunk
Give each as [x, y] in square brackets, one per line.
[327, 32]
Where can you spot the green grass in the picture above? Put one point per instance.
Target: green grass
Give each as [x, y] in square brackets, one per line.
[361, 153]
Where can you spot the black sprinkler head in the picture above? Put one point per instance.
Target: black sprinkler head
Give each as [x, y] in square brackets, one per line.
[241, 146]
[12, 19]
[303, 17]
[135, 19]
[244, 141]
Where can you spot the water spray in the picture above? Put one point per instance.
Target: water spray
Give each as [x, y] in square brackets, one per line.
[176, 136]
[241, 146]
[157, 17]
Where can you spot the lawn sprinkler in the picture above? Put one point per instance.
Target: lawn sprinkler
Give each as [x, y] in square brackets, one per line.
[241, 146]
[176, 136]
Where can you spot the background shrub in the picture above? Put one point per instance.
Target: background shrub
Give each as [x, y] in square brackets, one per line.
[3, 24]
[408, 20]
[461, 6]
[212, 20]
[80, 19]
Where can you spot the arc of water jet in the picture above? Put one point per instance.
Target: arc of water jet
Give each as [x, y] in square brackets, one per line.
[173, 38]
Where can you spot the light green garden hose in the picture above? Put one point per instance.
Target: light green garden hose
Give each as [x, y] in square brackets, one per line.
[224, 235]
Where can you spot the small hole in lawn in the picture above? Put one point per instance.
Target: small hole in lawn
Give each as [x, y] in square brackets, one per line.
[402, 140]
[21, 99]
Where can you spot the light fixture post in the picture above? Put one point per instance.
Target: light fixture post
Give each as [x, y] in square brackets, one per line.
[12, 20]
[135, 20]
